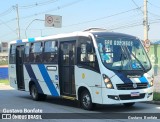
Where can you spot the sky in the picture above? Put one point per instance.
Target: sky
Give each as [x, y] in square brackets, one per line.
[124, 16]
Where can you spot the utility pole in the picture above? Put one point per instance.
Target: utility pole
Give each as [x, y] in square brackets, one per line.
[18, 27]
[145, 21]
[146, 27]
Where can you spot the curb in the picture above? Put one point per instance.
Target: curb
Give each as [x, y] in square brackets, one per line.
[153, 102]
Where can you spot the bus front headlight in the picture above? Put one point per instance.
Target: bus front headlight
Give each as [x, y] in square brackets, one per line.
[151, 83]
[107, 82]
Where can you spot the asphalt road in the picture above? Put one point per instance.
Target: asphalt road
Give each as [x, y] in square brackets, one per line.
[20, 100]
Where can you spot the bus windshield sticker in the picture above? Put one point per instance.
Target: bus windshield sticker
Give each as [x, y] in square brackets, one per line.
[118, 42]
[107, 57]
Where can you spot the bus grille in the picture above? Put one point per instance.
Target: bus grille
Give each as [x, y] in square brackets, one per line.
[129, 97]
[129, 86]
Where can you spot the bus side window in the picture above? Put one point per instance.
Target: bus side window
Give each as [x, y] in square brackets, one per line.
[12, 54]
[50, 52]
[35, 55]
[26, 57]
[86, 53]
[31, 54]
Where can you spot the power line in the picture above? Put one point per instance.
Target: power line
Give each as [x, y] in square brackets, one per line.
[84, 22]
[134, 25]
[129, 19]
[11, 20]
[50, 10]
[137, 5]
[6, 12]
[100, 18]
[153, 14]
[123, 12]
[154, 5]
[6, 34]
[126, 26]
[38, 4]
[7, 26]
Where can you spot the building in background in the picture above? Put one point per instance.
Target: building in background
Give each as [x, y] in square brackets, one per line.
[3, 52]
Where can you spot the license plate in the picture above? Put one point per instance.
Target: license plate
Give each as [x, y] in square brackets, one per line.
[135, 94]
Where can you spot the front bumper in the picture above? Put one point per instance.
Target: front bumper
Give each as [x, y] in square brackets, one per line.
[113, 96]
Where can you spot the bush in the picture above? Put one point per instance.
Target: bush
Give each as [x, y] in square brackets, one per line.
[156, 96]
[4, 62]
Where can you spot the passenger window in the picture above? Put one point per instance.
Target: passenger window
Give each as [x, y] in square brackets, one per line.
[50, 52]
[35, 55]
[26, 58]
[12, 54]
[86, 53]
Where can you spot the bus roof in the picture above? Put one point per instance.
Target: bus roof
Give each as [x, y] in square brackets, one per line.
[80, 33]
[113, 34]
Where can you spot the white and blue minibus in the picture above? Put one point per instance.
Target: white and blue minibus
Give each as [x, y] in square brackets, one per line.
[93, 67]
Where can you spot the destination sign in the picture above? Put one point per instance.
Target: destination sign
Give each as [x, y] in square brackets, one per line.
[119, 42]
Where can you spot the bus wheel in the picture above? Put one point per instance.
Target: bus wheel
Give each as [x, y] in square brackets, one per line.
[128, 104]
[35, 95]
[86, 101]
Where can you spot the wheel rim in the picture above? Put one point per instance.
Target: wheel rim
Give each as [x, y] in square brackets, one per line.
[34, 92]
[86, 100]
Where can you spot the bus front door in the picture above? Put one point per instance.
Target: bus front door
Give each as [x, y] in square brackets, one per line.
[19, 67]
[66, 68]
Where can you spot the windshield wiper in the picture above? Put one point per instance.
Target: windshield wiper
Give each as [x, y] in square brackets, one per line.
[125, 56]
[136, 59]
[122, 57]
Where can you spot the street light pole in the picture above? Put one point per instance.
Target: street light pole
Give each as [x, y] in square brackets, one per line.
[30, 24]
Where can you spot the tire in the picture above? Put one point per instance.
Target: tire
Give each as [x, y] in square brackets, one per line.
[86, 100]
[128, 104]
[35, 95]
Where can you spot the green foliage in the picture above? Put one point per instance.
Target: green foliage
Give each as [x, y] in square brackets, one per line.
[6, 81]
[156, 96]
[3, 62]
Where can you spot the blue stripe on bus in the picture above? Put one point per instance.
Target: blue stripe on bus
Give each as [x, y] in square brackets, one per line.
[123, 77]
[31, 39]
[32, 76]
[48, 80]
[143, 80]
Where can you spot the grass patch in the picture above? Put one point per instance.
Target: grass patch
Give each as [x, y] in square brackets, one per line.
[156, 96]
[3, 63]
[6, 82]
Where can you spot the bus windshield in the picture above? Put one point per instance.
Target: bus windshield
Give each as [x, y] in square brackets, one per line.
[122, 53]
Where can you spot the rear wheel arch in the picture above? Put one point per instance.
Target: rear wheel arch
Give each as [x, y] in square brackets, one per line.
[36, 95]
[30, 85]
